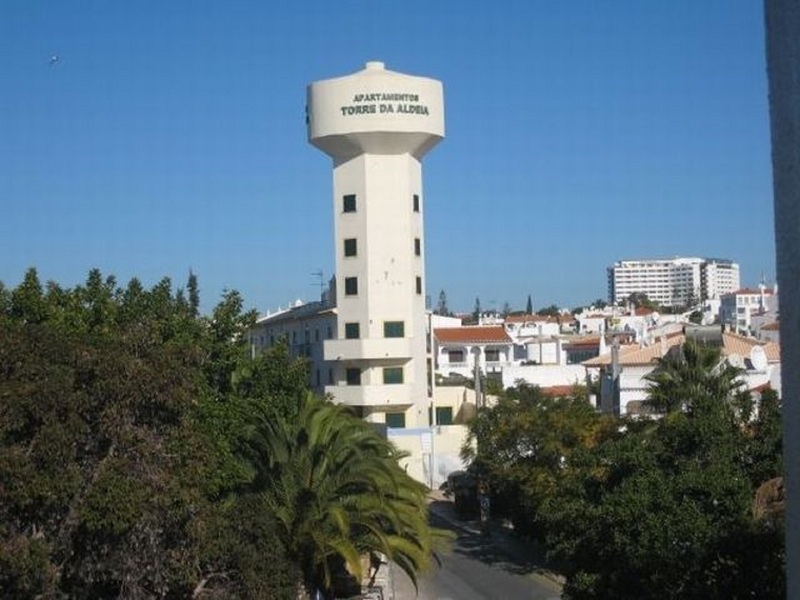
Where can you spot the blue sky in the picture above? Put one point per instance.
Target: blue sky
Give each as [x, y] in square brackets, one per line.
[170, 136]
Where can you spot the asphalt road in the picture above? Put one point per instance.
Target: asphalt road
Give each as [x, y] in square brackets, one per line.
[478, 568]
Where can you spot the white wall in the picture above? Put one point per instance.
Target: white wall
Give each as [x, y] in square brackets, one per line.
[434, 452]
[544, 375]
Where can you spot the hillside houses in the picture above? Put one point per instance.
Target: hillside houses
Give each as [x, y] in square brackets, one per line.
[623, 372]
[543, 351]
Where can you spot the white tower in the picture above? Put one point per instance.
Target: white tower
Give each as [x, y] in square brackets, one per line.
[376, 125]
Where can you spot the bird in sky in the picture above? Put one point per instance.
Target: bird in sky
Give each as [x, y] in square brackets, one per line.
[54, 59]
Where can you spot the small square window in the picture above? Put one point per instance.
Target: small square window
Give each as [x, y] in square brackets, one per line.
[350, 286]
[353, 376]
[444, 415]
[416, 202]
[419, 285]
[417, 247]
[349, 203]
[350, 247]
[396, 420]
[393, 329]
[352, 331]
[392, 375]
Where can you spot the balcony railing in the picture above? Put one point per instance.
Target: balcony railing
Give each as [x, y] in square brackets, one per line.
[372, 395]
[489, 363]
[366, 349]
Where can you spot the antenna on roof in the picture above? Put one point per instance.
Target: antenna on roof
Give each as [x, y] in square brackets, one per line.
[321, 283]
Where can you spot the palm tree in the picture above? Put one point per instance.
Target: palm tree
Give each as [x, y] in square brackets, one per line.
[690, 374]
[338, 493]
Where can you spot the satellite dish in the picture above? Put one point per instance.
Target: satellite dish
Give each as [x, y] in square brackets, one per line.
[759, 358]
[735, 360]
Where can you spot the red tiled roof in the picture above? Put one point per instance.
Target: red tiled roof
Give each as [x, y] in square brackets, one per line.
[591, 342]
[775, 326]
[478, 335]
[737, 344]
[750, 291]
[732, 344]
[558, 391]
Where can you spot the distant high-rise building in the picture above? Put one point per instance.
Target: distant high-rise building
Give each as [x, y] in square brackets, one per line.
[673, 281]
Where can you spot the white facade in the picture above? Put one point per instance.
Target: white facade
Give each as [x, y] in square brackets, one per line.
[634, 363]
[519, 326]
[376, 125]
[672, 282]
[738, 308]
[500, 353]
[718, 277]
[304, 327]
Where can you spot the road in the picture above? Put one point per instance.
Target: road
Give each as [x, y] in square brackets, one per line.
[478, 568]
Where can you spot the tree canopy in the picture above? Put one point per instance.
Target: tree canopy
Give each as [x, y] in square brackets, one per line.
[338, 492]
[441, 306]
[522, 444]
[127, 465]
[549, 311]
[649, 508]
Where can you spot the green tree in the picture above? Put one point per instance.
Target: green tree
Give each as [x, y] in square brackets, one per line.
[194, 293]
[27, 300]
[529, 306]
[641, 300]
[441, 306]
[663, 509]
[692, 374]
[764, 434]
[523, 446]
[338, 493]
[476, 312]
[118, 450]
[549, 311]
[228, 327]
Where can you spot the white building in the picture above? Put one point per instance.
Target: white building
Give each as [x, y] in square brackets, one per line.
[718, 277]
[738, 309]
[304, 327]
[367, 340]
[376, 125]
[672, 282]
[759, 361]
[499, 353]
[522, 326]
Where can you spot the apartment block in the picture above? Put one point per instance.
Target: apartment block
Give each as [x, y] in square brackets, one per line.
[675, 281]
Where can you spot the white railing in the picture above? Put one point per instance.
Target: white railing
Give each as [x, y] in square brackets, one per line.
[453, 365]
